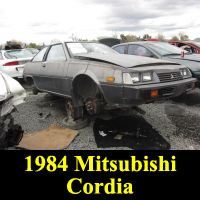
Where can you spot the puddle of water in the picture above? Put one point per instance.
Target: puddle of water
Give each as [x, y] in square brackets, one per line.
[133, 132]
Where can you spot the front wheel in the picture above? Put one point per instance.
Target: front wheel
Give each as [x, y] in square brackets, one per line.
[76, 118]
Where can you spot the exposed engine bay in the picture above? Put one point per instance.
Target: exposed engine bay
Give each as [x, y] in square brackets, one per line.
[11, 95]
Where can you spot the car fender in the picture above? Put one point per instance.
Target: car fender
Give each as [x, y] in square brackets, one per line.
[92, 76]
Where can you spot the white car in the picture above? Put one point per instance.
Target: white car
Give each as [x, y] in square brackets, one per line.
[12, 61]
[11, 95]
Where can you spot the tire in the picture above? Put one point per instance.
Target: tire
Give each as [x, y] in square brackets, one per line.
[70, 121]
[31, 86]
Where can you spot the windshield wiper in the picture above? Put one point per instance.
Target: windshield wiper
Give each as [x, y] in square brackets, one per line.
[172, 54]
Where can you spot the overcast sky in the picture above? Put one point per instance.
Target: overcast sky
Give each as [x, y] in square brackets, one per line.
[45, 20]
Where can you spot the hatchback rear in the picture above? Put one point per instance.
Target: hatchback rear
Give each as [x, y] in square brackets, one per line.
[12, 62]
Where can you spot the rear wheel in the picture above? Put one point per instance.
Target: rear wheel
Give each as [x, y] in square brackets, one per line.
[31, 86]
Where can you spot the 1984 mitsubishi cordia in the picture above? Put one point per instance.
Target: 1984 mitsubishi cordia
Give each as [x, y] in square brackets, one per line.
[93, 77]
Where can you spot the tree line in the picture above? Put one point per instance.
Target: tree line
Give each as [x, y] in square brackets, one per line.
[124, 38]
[160, 37]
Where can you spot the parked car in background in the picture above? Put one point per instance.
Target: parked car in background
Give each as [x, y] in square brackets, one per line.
[94, 77]
[11, 95]
[164, 51]
[191, 46]
[32, 50]
[12, 62]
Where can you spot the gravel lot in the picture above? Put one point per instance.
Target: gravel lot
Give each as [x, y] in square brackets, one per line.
[175, 124]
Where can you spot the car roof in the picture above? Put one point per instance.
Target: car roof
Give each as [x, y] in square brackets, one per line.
[63, 42]
[139, 42]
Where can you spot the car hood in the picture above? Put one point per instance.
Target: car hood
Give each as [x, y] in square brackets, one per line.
[127, 61]
[190, 61]
[10, 88]
[195, 58]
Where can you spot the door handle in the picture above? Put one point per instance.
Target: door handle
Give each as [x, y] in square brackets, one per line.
[43, 64]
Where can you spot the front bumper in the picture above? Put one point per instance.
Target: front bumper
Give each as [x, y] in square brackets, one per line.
[136, 95]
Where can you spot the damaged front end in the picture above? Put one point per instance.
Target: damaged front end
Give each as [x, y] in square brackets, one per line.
[11, 95]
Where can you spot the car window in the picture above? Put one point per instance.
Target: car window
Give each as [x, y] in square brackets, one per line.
[120, 49]
[196, 44]
[56, 53]
[193, 50]
[76, 48]
[19, 53]
[139, 51]
[165, 49]
[39, 57]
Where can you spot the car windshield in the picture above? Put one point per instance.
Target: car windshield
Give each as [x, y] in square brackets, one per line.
[196, 44]
[18, 53]
[165, 49]
[85, 48]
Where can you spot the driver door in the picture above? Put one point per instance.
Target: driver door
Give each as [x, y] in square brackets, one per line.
[54, 70]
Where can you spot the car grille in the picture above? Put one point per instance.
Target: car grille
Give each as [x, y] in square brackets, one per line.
[172, 76]
[166, 91]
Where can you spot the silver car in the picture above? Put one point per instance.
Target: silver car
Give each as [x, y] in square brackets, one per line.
[12, 62]
[95, 78]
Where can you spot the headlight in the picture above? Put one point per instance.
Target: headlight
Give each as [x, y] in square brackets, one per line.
[146, 76]
[131, 78]
[185, 72]
[127, 79]
[135, 77]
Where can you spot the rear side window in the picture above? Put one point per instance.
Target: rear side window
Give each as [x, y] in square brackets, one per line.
[120, 49]
[138, 51]
[39, 57]
[56, 53]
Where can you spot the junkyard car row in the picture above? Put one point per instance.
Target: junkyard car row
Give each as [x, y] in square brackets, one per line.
[94, 79]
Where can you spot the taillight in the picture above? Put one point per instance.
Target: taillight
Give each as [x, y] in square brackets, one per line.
[11, 63]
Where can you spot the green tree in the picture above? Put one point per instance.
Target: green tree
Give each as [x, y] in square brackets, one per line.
[161, 37]
[129, 38]
[32, 45]
[174, 38]
[183, 37]
[146, 36]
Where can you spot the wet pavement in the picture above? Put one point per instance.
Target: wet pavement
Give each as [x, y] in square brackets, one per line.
[133, 132]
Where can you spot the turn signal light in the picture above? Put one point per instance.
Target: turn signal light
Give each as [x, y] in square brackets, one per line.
[110, 79]
[154, 93]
